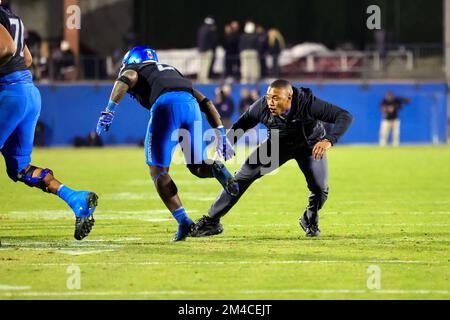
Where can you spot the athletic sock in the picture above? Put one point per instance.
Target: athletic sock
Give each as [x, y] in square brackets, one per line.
[65, 193]
[181, 216]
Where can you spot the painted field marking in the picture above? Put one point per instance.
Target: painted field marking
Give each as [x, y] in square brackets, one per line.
[257, 262]
[12, 288]
[216, 292]
[81, 252]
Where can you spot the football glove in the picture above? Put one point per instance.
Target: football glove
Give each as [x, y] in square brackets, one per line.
[224, 147]
[105, 121]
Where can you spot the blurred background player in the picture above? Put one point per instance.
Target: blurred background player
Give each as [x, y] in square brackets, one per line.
[20, 106]
[390, 106]
[296, 115]
[173, 105]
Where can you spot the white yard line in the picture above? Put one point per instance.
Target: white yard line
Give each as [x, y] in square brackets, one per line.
[81, 252]
[257, 262]
[227, 292]
[13, 288]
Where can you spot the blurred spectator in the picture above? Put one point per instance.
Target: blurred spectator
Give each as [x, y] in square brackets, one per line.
[262, 49]
[247, 99]
[390, 106]
[207, 43]
[114, 61]
[92, 140]
[276, 44]
[64, 62]
[33, 41]
[235, 26]
[225, 104]
[248, 47]
[231, 46]
[380, 44]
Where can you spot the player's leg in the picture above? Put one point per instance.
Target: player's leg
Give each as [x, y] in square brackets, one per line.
[159, 147]
[252, 170]
[316, 174]
[396, 133]
[194, 149]
[384, 131]
[390, 130]
[17, 153]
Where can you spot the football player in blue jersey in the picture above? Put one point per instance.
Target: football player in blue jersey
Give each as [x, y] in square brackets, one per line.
[173, 105]
[20, 106]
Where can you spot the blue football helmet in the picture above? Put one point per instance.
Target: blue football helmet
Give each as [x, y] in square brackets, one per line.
[140, 54]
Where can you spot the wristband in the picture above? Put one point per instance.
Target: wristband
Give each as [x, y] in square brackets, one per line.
[111, 106]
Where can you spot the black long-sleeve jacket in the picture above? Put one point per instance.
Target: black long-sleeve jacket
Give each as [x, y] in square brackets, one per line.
[303, 126]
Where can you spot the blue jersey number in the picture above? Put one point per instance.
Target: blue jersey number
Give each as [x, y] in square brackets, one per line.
[17, 30]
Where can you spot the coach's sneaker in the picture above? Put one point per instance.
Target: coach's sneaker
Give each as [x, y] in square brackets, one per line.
[225, 178]
[83, 204]
[310, 224]
[206, 227]
[184, 230]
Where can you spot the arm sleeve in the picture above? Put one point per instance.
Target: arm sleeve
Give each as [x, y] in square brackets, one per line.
[247, 120]
[327, 112]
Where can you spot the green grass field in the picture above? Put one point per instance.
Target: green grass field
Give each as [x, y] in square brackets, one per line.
[388, 208]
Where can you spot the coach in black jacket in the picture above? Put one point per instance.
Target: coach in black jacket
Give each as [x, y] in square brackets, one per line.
[294, 118]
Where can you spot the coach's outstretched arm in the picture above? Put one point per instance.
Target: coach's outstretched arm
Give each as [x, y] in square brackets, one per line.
[7, 46]
[249, 119]
[126, 80]
[327, 112]
[224, 147]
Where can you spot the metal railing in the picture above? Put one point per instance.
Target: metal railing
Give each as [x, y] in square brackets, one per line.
[335, 64]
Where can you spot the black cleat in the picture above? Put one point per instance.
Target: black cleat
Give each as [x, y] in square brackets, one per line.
[206, 227]
[83, 225]
[310, 225]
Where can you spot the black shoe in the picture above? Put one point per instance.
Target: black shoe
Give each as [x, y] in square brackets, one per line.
[310, 225]
[206, 227]
[83, 227]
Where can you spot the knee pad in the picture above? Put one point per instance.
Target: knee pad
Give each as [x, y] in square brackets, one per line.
[26, 176]
[166, 189]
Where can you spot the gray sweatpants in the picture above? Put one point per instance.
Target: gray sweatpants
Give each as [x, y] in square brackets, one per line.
[315, 172]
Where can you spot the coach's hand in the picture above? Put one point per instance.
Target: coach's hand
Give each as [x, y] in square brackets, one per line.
[224, 147]
[320, 148]
[104, 122]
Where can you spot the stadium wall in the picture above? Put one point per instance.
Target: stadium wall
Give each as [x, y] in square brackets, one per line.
[70, 111]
